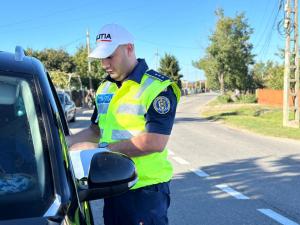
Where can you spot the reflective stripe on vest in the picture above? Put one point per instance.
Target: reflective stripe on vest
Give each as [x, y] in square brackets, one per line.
[132, 109]
[106, 87]
[103, 109]
[123, 134]
[146, 84]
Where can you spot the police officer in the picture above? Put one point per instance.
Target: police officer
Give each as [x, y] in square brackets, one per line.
[134, 115]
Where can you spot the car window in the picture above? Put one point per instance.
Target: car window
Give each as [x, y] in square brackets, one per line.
[66, 99]
[59, 107]
[61, 98]
[25, 175]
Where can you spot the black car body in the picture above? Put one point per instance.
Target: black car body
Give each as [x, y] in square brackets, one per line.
[68, 106]
[37, 182]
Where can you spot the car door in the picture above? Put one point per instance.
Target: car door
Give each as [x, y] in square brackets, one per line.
[80, 212]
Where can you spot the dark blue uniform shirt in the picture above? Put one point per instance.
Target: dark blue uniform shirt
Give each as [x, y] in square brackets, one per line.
[157, 121]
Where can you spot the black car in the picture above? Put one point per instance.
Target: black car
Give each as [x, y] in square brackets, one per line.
[68, 106]
[37, 181]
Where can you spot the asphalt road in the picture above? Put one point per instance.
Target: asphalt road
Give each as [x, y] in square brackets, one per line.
[227, 176]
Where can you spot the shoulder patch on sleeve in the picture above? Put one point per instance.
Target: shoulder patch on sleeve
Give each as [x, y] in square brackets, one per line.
[162, 104]
[157, 75]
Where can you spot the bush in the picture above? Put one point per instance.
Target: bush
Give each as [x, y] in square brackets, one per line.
[224, 99]
[248, 98]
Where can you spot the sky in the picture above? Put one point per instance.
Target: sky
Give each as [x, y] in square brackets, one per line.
[180, 28]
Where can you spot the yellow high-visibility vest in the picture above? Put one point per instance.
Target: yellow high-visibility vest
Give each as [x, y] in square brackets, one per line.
[121, 116]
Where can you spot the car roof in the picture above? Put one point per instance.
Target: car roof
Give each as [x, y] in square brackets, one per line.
[10, 63]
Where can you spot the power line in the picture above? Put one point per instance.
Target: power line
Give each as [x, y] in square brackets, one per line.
[268, 38]
[263, 18]
[73, 42]
[171, 45]
[66, 20]
[267, 25]
[45, 16]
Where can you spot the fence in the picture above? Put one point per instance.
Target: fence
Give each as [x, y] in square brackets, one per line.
[271, 97]
[83, 101]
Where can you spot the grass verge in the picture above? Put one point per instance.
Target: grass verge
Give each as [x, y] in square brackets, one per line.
[261, 119]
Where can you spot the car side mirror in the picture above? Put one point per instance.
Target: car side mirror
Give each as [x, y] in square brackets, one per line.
[110, 174]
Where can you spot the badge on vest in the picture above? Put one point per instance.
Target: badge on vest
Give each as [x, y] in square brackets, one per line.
[104, 98]
[161, 104]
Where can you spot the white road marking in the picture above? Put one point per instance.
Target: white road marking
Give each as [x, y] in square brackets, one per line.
[279, 218]
[232, 192]
[171, 153]
[180, 160]
[199, 172]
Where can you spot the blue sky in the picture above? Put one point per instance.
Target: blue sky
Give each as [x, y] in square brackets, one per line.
[180, 28]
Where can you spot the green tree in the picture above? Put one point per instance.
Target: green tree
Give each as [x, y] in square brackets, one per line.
[269, 75]
[258, 74]
[60, 79]
[227, 59]
[81, 62]
[210, 68]
[274, 75]
[275, 79]
[169, 66]
[54, 60]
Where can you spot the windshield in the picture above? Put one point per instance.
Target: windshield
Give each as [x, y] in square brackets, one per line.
[25, 187]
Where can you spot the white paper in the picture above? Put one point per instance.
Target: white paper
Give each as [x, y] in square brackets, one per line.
[81, 161]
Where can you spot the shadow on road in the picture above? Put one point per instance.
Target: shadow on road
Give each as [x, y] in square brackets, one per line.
[189, 119]
[273, 186]
[221, 115]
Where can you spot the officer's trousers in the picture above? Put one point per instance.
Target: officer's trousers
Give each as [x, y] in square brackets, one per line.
[143, 206]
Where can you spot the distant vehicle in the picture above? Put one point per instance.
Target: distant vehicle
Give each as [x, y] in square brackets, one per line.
[37, 178]
[68, 106]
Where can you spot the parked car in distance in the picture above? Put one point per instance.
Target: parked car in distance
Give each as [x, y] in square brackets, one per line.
[68, 106]
[37, 178]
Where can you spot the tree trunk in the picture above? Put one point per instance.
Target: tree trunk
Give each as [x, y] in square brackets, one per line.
[221, 80]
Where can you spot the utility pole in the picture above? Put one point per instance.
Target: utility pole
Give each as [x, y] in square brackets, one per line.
[89, 61]
[291, 65]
